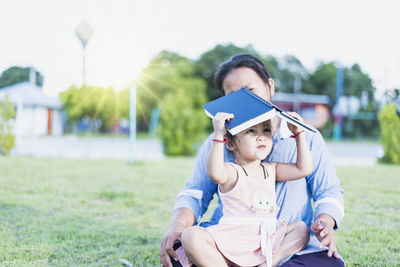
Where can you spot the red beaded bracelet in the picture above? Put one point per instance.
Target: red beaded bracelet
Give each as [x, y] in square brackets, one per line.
[221, 141]
[295, 135]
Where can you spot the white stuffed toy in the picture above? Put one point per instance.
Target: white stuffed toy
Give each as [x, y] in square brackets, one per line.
[264, 201]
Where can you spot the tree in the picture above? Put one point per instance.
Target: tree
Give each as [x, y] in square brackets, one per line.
[168, 82]
[355, 82]
[164, 73]
[18, 74]
[274, 69]
[183, 122]
[95, 103]
[209, 61]
[322, 81]
[286, 72]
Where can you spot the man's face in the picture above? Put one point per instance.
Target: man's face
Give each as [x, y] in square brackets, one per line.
[246, 77]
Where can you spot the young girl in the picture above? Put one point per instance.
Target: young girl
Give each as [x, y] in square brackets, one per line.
[247, 233]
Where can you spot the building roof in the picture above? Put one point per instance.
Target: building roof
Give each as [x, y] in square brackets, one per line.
[302, 98]
[30, 94]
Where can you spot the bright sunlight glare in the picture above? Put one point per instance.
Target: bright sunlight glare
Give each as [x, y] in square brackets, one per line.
[118, 63]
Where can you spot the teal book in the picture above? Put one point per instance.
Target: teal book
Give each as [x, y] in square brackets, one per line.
[249, 109]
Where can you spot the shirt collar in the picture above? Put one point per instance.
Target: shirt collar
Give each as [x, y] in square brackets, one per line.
[283, 131]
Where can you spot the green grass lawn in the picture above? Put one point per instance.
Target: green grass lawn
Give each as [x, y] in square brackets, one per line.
[61, 212]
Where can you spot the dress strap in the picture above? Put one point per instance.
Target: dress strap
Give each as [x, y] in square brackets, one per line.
[239, 169]
[265, 175]
[268, 172]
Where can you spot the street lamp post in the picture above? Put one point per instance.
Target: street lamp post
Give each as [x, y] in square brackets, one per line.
[297, 92]
[299, 72]
[132, 121]
[337, 127]
[84, 32]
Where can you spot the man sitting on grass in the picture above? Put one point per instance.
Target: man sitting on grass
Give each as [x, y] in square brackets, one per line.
[294, 198]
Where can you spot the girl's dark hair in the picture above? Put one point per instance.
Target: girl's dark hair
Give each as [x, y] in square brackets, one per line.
[239, 61]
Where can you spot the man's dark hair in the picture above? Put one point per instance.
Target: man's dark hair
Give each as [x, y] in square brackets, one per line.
[239, 61]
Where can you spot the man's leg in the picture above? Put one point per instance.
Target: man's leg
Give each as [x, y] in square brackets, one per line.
[296, 239]
[200, 247]
[315, 259]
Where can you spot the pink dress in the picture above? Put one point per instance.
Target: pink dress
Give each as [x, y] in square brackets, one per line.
[246, 233]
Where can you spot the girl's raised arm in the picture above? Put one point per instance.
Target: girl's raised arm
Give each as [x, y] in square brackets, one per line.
[303, 165]
[219, 171]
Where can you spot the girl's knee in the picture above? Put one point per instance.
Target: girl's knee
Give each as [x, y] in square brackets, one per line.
[301, 225]
[187, 236]
[192, 236]
[299, 229]
[302, 231]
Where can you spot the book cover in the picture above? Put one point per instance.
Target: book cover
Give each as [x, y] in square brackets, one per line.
[249, 109]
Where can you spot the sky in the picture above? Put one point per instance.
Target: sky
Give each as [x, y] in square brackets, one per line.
[126, 34]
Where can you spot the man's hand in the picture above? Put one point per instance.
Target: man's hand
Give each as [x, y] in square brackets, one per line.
[183, 218]
[167, 243]
[323, 230]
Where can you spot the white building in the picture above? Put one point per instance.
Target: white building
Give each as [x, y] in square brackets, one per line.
[36, 113]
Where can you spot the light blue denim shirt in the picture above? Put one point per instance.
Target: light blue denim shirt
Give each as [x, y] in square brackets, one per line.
[304, 199]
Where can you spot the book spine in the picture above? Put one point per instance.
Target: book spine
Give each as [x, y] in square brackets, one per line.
[294, 121]
[282, 114]
[259, 98]
[264, 101]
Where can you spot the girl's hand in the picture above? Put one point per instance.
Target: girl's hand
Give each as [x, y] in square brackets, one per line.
[219, 123]
[293, 128]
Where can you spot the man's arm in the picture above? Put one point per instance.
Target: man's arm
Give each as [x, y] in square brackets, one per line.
[327, 195]
[190, 204]
[324, 184]
[199, 189]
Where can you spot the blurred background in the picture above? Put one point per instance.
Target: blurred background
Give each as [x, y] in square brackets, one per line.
[78, 73]
[88, 87]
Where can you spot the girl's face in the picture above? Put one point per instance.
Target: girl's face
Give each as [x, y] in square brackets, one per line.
[246, 77]
[254, 143]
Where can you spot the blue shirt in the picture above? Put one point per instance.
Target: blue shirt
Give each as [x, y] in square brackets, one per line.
[304, 199]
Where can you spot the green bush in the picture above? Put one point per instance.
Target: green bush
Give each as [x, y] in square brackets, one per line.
[95, 103]
[183, 121]
[7, 113]
[165, 72]
[390, 134]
